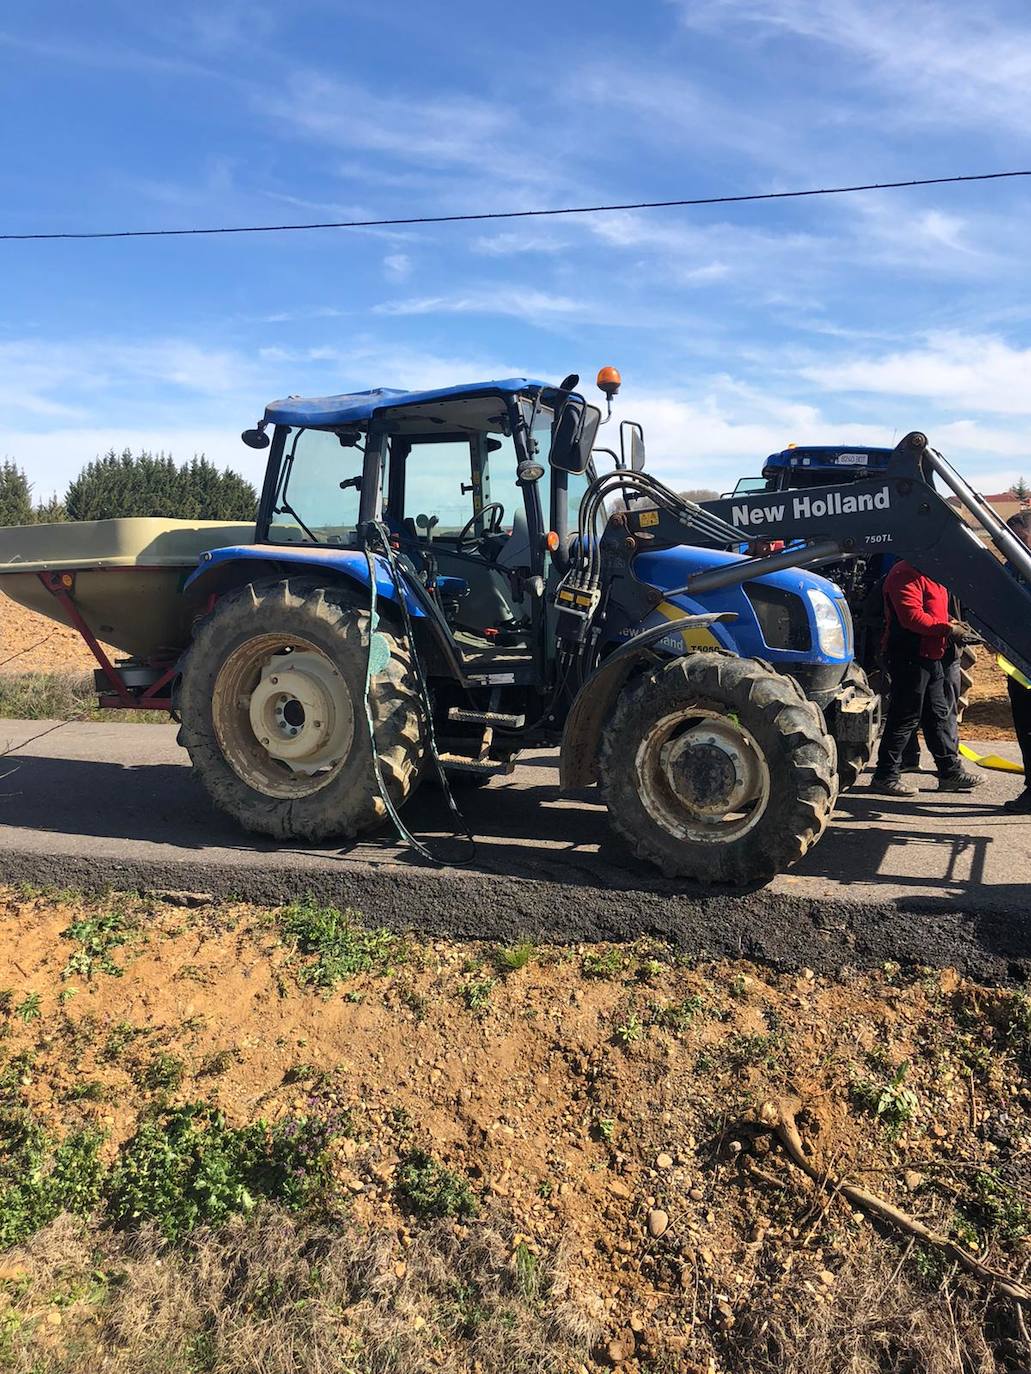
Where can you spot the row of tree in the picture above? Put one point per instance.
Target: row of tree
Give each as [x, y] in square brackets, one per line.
[123, 484]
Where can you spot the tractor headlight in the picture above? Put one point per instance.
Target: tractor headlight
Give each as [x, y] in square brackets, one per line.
[830, 632]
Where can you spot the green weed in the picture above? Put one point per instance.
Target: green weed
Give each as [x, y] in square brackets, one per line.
[188, 1168]
[763, 1050]
[28, 1009]
[511, 958]
[1018, 1029]
[428, 1189]
[606, 1128]
[164, 1073]
[607, 963]
[338, 946]
[98, 937]
[993, 1205]
[221, 1061]
[527, 1271]
[40, 1178]
[890, 1101]
[629, 1030]
[119, 1039]
[476, 993]
[678, 1016]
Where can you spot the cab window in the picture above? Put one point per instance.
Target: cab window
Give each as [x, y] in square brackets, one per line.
[437, 483]
[310, 506]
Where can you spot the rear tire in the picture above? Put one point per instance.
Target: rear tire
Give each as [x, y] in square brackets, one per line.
[273, 712]
[694, 714]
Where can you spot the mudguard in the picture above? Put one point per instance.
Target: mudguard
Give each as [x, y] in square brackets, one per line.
[593, 703]
[349, 563]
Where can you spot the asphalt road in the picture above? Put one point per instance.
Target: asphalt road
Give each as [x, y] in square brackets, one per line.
[938, 879]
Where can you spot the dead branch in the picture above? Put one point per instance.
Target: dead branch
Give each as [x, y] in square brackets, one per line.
[779, 1120]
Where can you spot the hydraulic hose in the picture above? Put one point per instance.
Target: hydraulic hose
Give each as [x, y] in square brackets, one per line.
[374, 528]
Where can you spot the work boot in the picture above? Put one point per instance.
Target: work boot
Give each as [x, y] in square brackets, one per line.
[960, 781]
[1019, 806]
[891, 787]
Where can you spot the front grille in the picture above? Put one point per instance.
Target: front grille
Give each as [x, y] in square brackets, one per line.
[782, 617]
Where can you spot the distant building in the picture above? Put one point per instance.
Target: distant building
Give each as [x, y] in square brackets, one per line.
[1004, 503]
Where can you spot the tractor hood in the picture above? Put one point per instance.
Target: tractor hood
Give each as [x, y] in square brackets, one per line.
[669, 568]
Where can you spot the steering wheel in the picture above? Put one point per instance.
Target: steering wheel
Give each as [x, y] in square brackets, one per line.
[467, 539]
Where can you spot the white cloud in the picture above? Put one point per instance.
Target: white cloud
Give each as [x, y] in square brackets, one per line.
[952, 64]
[397, 266]
[515, 302]
[444, 130]
[958, 372]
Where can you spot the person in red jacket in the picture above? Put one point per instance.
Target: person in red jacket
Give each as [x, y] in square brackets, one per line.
[919, 641]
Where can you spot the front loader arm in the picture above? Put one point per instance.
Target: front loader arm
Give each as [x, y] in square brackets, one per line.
[902, 514]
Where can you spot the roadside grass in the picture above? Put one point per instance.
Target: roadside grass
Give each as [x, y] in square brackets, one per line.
[279, 1293]
[61, 696]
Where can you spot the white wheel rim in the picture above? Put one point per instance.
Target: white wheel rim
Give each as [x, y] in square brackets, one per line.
[301, 713]
[282, 715]
[702, 776]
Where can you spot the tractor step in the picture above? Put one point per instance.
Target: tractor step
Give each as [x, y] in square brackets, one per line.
[464, 763]
[491, 718]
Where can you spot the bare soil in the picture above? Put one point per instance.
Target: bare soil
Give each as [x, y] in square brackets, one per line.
[30, 643]
[605, 1105]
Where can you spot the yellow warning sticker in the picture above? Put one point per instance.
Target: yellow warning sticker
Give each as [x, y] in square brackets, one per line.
[647, 517]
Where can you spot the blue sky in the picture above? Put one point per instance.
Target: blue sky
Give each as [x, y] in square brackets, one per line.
[738, 330]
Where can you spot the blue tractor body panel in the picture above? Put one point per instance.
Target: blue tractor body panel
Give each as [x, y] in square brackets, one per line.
[667, 569]
[350, 563]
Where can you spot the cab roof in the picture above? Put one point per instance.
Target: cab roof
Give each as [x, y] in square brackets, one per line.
[359, 407]
[828, 456]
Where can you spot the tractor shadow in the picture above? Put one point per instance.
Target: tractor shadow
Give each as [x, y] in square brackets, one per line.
[545, 867]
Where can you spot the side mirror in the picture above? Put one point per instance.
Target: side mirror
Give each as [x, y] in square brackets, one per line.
[573, 435]
[255, 438]
[631, 445]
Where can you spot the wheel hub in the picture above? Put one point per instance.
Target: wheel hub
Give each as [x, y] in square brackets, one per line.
[711, 769]
[300, 712]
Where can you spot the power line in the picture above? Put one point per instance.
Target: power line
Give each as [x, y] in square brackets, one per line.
[518, 214]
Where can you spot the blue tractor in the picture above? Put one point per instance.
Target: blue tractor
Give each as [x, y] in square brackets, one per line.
[441, 579]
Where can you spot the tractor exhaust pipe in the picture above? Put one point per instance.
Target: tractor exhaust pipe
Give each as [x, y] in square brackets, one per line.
[734, 573]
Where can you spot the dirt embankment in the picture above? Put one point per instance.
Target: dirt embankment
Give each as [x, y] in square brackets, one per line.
[555, 1154]
[30, 643]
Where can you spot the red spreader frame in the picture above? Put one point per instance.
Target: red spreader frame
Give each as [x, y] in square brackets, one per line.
[121, 697]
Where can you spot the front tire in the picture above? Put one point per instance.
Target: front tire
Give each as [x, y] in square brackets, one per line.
[273, 712]
[718, 768]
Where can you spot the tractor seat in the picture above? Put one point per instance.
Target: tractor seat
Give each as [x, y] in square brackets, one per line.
[515, 551]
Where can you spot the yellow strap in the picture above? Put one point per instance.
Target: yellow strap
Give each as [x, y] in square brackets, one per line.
[1010, 671]
[994, 761]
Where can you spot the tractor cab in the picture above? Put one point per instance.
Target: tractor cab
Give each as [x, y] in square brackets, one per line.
[472, 486]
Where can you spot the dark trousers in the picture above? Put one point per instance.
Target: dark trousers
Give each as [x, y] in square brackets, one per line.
[1020, 703]
[919, 696]
[953, 683]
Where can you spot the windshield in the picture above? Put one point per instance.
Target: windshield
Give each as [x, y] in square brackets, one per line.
[310, 506]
